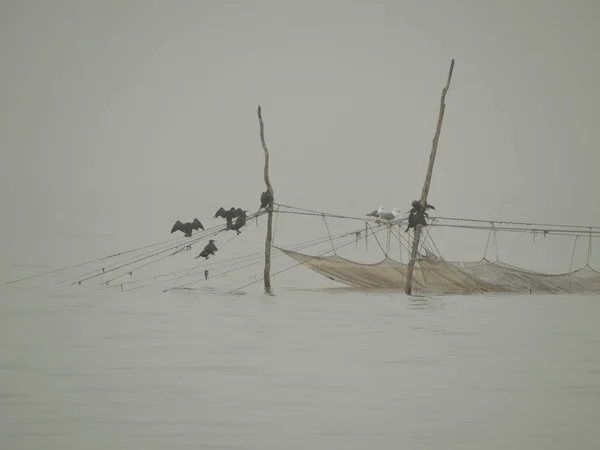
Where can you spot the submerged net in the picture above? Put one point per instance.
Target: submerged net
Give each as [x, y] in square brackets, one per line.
[433, 275]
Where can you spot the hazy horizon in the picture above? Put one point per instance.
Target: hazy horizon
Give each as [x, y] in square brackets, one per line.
[119, 118]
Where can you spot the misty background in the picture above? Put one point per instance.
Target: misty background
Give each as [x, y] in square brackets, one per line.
[120, 117]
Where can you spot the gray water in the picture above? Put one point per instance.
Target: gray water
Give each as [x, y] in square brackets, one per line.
[302, 370]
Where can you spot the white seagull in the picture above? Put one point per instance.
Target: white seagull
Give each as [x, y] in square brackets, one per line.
[377, 212]
[389, 216]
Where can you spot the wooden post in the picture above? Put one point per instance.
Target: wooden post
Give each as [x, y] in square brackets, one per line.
[417, 235]
[269, 238]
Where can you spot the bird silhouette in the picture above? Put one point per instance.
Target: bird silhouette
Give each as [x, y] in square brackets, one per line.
[210, 249]
[418, 208]
[239, 223]
[415, 218]
[265, 199]
[186, 228]
[229, 215]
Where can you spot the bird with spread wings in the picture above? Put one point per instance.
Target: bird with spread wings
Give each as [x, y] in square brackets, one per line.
[230, 214]
[186, 228]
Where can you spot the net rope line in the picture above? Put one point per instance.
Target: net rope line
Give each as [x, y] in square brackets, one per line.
[400, 241]
[518, 269]
[260, 256]
[378, 243]
[192, 270]
[184, 242]
[275, 226]
[387, 241]
[218, 274]
[226, 272]
[573, 254]
[166, 256]
[121, 253]
[381, 228]
[211, 232]
[200, 280]
[541, 226]
[321, 254]
[296, 264]
[494, 234]
[328, 233]
[589, 255]
[324, 215]
[103, 258]
[256, 257]
[221, 273]
[200, 264]
[79, 281]
[187, 242]
[281, 254]
[594, 233]
[131, 260]
[400, 236]
[556, 232]
[488, 242]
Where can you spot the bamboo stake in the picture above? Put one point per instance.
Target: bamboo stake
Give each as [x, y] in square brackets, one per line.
[417, 234]
[269, 238]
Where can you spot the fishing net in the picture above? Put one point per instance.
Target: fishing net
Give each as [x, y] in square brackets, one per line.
[433, 274]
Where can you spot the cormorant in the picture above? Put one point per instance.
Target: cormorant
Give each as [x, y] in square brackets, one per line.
[377, 212]
[417, 207]
[210, 249]
[416, 218]
[229, 215]
[265, 199]
[239, 223]
[187, 227]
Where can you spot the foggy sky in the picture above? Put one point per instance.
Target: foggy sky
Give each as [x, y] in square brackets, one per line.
[120, 117]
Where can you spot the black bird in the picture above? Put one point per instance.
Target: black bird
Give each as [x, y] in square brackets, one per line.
[210, 249]
[417, 207]
[415, 218]
[265, 199]
[187, 227]
[239, 223]
[229, 215]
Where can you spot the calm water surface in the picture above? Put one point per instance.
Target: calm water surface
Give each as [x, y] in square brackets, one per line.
[302, 370]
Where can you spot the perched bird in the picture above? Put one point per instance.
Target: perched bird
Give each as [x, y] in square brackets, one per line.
[416, 218]
[187, 227]
[389, 216]
[377, 212]
[265, 199]
[417, 207]
[239, 223]
[229, 215]
[210, 249]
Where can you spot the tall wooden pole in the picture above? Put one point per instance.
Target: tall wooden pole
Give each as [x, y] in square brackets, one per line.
[417, 236]
[269, 239]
